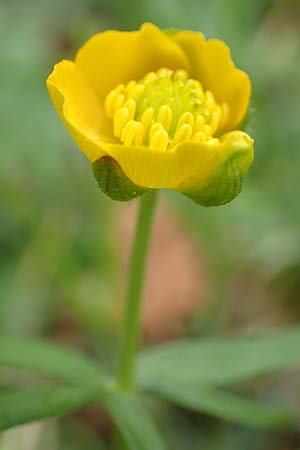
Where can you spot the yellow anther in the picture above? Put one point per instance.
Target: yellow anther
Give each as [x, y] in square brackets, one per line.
[213, 141]
[155, 127]
[207, 130]
[215, 119]
[187, 118]
[139, 137]
[200, 136]
[197, 102]
[131, 106]
[151, 76]
[120, 88]
[199, 94]
[120, 119]
[193, 84]
[139, 89]
[159, 140]
[129, 87]
[130, 132]
[180, 75]
[225, 114]
[199, 123]
[118, 102]
[164, 109]
[164, 116]
[163, 72]
[110, 100]
[209, 100]
[206, 113]
[183, 133]
[147, 117]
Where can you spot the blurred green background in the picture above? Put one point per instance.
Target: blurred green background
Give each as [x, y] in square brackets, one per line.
[61, 251]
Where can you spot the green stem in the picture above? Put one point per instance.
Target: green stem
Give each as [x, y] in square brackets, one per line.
[135, 284]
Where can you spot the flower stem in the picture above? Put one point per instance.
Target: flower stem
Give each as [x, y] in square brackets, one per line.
[135, 284]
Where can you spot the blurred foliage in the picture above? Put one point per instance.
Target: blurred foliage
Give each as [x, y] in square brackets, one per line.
[59, 264]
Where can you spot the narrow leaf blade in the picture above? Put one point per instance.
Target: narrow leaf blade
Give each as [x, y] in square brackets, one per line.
[20, 406]
[219, 361]
[50, 359]
[227, 406]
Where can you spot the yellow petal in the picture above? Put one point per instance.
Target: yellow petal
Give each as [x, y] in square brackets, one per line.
[79, 108]
[180, 168]
[114, 57]
[212, 65]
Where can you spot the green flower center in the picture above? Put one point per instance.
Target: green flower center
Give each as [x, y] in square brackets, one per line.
[164, 109]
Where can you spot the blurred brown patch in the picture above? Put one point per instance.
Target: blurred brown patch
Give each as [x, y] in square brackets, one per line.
[176, 282]
[258, 303]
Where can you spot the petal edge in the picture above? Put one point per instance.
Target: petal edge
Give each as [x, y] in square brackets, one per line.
[79, 108]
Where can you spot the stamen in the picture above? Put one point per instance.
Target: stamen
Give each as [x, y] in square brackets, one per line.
[207, 130]
[137, 91]
[118, 102]
[164, 116]
[163, 72]
[120, 119]
[186, 117]
[147, 117]
[200, 136]
[131, 106]
[210, 101]
[129, 88]
[165, 109]
[110, 99]
[183, 133]
[154, 128]
[180, 75]
[159, 140]
[151, 76]
[215, 119]
[225, 114]
[199, 123]
[139, 137]
[132, 133]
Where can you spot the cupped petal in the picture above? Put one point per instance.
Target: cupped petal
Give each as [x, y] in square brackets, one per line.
[212, 65]
[188, 167]
[114, 57]
[80, 109]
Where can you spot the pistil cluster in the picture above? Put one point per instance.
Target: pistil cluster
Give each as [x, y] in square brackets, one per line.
[164, 109]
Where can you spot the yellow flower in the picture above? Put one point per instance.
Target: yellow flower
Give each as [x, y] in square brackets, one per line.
[154, 109]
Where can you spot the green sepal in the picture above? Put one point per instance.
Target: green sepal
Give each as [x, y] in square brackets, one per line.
[226, 184]
[113, 182]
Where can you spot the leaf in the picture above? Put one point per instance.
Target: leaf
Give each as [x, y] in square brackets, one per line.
[226, 406]
[134, 423]
[20, 406]
[50, 359]
[218, 361]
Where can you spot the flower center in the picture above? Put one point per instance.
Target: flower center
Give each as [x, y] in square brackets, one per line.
[164, 109]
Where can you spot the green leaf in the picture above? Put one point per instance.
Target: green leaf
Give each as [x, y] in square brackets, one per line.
[50, 359]
[218, 361]
[227, 406]
[133, 422]
[20, 406]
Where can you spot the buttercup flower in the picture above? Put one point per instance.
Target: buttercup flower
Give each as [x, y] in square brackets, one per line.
[156, 109]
